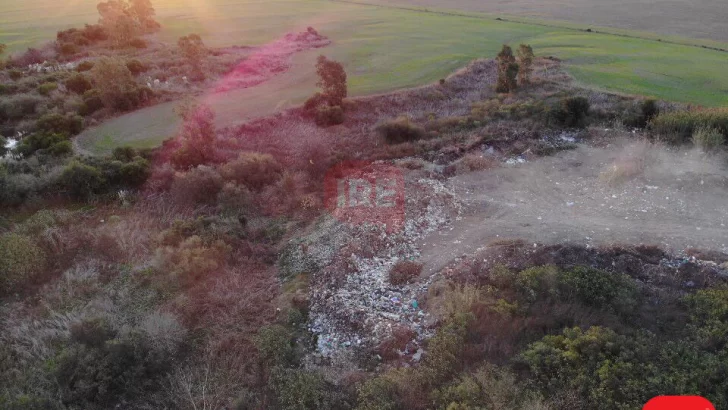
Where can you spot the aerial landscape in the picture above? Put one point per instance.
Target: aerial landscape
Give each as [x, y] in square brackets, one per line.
[363, 204]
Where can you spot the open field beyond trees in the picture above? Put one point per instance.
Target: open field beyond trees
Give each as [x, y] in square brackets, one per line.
[382, 49]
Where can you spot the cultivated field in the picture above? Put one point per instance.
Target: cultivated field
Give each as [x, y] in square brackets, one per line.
[382, 49]
[686, 18]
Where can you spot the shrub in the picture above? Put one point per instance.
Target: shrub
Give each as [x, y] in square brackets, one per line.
[135, 173]
[197, 138]
[85, 66]
[404, 272]
[275, 345]
[679, 126]
[60, 124]
[314, 102]
[254, 170]
[124, 154]
[298, 389]
[19, 106]
[600, 289]
[571, 112]
[115, 83]
[138, 43]
[54, 142]
[91, 102]
[199, 185]
[708, 139]
[136, 67]
[47, 88]
[78, 84]
[191, 259]
[507, 71]
[81, 181]
[400, 130]
[68, 49]
[329, 115]
[15, 75]
[20, 260]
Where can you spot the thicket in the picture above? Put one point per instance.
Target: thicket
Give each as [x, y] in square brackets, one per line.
[678, 127]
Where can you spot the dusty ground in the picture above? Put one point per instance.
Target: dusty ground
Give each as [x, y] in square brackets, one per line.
[688, 18]
[673, 199]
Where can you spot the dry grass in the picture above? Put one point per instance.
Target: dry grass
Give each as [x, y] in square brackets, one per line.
[629, 165]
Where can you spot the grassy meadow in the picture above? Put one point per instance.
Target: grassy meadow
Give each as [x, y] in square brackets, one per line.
[382, 49]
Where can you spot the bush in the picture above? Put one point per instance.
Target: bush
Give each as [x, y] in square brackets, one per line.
[404, 272]
[199, 185]
[275, 345]
[20, 260]
[68, 49]
[85, 66]
[81, 181]
[314, 102]
[298, 389]
[191, 259]
[400, 130]
[138, 43]
[571, 112]
[60, 124]
[136, 67]
[53, 142]
[254, 170]
[19, 106]
[78, 84]
[679, 126]
[47, 88]
[15, 75]
[327, 115]
[708, 139]
[91, 102]
[600, 289]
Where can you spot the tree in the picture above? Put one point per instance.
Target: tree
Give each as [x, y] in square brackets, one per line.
[82, 180]
[332, 80]
[193, 49]
[525, 64]
[125, 19]
[507, 71]
[114, 81]
[197, 137]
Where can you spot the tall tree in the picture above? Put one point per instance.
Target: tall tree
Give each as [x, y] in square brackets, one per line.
[143, 12]
[194, 49]
[125, 19]
[525, 64]
[332, 80]
[507, 71]
[197, 137]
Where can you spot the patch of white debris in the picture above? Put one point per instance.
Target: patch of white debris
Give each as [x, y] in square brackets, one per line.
[362, 310]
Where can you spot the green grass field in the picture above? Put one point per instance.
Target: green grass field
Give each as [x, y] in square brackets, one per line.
[385, 49]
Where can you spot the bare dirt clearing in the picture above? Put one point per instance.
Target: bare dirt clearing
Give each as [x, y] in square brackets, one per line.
[672, 199]
[696, 19]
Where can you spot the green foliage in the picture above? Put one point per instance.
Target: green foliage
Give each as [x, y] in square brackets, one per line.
[78, 83]
[253, 170]
[599, 289]
[275, 345]
[101, 367]
[91, 102]
[81, 180]
[327, 115]
[400, 130]
[709, 316]
[297, 389]
[20, 260]
[53, 144]
[377, 393]
[572, 112]
[708, 139]
[679, 126]
[60, 124]
[47, 88]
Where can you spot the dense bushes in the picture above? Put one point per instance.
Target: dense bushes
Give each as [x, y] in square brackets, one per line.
[199, 185]
[47, 88]
[328, 115]
[571, 112]
[708, 139]
[400, 130]
[54, 143]
[679, 126]
[253, 170]
[20, 260]
[81, 180]
[78, 84]
[61, 124]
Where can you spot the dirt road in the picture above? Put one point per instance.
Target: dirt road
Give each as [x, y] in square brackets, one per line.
[626, 192]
